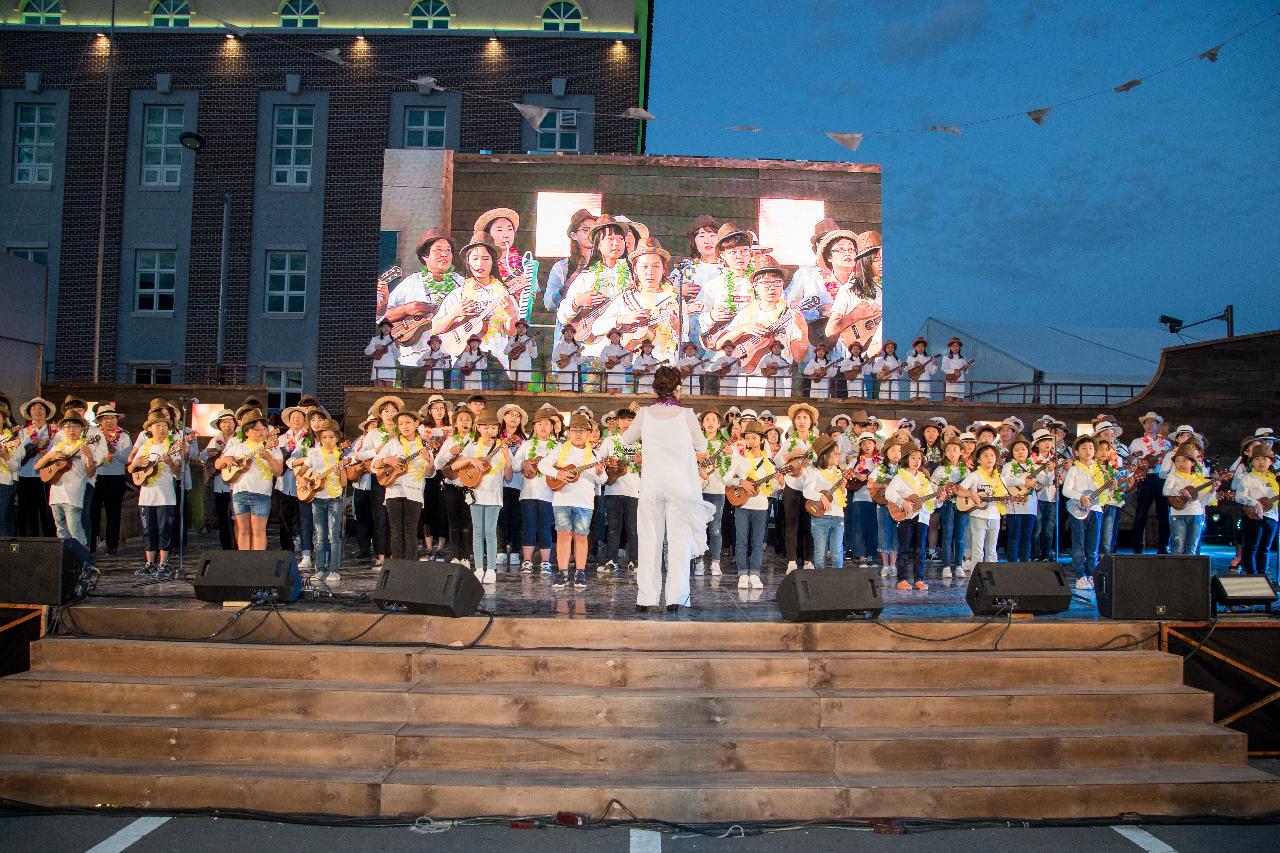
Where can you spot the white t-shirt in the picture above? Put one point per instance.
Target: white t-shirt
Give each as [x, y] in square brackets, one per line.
[489, 492]
[976, 481]
[257, 478]
[901, 486]
[628, 485]
[70, 487]
[413, 482]
[752, 468]
[320, 461]
[817, 481]
[1032, 505]
[160, 492]
[582, 492]
[534, 488]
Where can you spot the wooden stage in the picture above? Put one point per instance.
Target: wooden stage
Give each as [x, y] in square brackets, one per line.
[681, 720]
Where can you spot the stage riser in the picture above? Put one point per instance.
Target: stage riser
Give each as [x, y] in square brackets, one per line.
[704, 637]
[616, 670]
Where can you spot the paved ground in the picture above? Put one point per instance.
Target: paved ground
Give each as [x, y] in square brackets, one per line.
[207, 835]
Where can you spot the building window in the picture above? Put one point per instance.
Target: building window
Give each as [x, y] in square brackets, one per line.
[161, 151]
[562, 17]
[35, 254]
[558, 131]
[156, 281]
[33, 144]
[171, 13]
[286, 282]
[300, 14]
[41, 13]
[430, 15]
[424, 127]
[291, 146]
[284, 388]
[152, 374]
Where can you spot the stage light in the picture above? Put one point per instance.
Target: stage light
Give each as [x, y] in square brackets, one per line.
[553, 212]
[1174, 324]
[231, 36]
[1243, 591]
[786, 225]
[191, 141]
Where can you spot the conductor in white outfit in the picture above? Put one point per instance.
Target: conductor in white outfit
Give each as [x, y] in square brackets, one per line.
[671, 507]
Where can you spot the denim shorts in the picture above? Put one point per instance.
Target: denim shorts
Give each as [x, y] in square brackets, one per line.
[573, 519]
[251, 503]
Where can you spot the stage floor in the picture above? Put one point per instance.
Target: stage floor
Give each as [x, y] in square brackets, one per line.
[714, 599]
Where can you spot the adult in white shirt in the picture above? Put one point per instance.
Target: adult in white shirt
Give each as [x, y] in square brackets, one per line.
[725, 368]
[775, 368]
[1151, 489]
[522, 352]
[854, 370]
[108, 493]
[251, 492]
[566, 359]
[671, 508]
[382, 348]
[37, 434]
[643, 366]
[413, 304]
[9, 443]
[807, 281]
[819, 370]
[471, 365]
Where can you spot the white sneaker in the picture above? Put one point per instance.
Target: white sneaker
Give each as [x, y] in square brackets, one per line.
[715, 567]
[808, 566]
[1082, 582]
[698, 569]
[305, 562]
[455, 562]
[333, 579]
[526, 568]
[545, 568]
[886, 572]
[491, 576]
[465, 563]
[425, 558]
[960, 572]
[744, 582]
[946, 572]
[756, 583]
[791, 566]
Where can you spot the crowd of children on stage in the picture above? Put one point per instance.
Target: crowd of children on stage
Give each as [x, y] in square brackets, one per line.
[506, 491]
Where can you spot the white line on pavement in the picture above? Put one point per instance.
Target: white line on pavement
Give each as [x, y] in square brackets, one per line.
[128, 836]
[644, 841]
[1144, 839]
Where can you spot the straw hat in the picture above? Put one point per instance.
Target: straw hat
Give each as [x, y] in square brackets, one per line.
[829, 238]
[376, 408]
[1263, 450]
[73, 419]
[546, 412]
[218, 416]
[704, 220]
[756, 428]
[982, 447]
[512, 407]
[1041, 435]
[803, 407]
[108, 412]
[767, 264]
[486, 219]
[25, 409]
[1111, 425]
[627, 223]
[431, 235]
[1015, 422]
[835, 418]
[579, 216]
[284, 415]
[486, 418]
[821, 445]
[580, 421]
[408, 413]
[74, 402]
[729, 230]
[1150, 416]
[868, 243]
[869, 436]
[251, 417]
[1022, 439]
[968, 436]
[604, 221]
[649, 246]
[330, 425]
[1075, 445]
[480, 238]
[824, 226]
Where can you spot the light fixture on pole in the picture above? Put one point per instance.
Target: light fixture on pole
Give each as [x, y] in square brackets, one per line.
[1227, 316]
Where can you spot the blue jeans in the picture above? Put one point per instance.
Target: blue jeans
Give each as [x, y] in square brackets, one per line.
[1184, 533]
[1110, 529]
[326, 516]
[572, 519]
[1018, 531]
[537, 523]
[484, 534]
[888, 538]
[306, 527]
[1046, 530]
[828, 535]
[67, 521]
[157, 527]
[749, 529]
[251, 503]
[1256, 538]
[952, 525]
[863, 533]
[715, 535]
[7, 491]
[1085, 536]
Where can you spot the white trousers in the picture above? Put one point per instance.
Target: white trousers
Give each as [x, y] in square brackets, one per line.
[922, 388]
[659, 521]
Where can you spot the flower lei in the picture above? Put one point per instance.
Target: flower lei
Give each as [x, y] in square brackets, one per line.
[724, 461]
[155, 477]
[1268, 479]
[441, 286]
[263, 468]
[839, 496]
[622, 271]
[113, 437]
[962, 468]
[731, 289]
[885, 472]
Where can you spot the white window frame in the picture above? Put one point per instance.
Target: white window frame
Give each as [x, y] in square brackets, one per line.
[300, 14]
[426, 128]
[150, 262]
[564, 121]
[41, 13]
[562, 20]
[279, 283]
[289, 118]
[38, 170]
[430, 14]
[169, 14]
[168, 172]
[281, 387]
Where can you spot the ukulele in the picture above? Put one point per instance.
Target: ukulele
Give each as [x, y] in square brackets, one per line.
[563, 361]
[156, 466]
[1256, 512]
[737, 495]
[233, 472]
[914, 372]
[53, 472]
[617, 469]
[471, 475]
[891, 372]
[1076, 507]
[392, 468]
[517, 348]
[569, 474]
[912, 503]
[310, 483]
[964, 503]
[954, 376]
[1191, 493]
[818, 508]
[751, 348]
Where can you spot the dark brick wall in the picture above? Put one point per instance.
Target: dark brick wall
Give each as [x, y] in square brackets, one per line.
[229, 82]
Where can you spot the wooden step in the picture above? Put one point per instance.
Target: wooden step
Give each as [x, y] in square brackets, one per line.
[607, 668]
[197, 739]
[1200, 789]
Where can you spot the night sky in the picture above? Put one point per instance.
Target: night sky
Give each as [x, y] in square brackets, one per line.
[1161, 200]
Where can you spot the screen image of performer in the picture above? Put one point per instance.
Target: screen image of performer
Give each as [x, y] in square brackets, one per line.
[648, 310]
[689, 274]
[765, 318]
[606, 275]
[500, 226]
[481, 307]
[846, 276]
[563, 271]
[413, 302]
[728, 293]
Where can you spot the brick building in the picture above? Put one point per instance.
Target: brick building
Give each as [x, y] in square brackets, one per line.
[295, 103]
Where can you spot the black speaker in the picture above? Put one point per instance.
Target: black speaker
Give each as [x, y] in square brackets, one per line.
[829, 595]
[1130, 586]
[39, 571]
[1243, 591]
[248, 575]
[1017, 588]
[428, 589]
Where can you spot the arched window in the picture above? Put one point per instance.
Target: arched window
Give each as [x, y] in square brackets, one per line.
[562, 16]
[171, 13]
[42, 12]
[430, 15]
[300, 14]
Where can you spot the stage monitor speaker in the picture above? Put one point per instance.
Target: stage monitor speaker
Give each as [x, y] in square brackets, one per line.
[248, 576]
[829, 595]
[1150, 586]
[427, 589]
[39, 571]
[1243, 591]
[997, 588]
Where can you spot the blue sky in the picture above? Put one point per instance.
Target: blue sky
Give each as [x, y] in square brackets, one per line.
[1162, 200]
